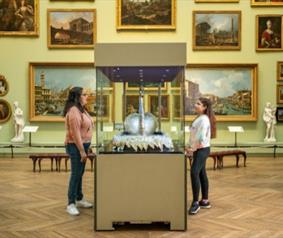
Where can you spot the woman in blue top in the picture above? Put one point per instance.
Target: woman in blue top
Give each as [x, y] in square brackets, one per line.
[202, 130]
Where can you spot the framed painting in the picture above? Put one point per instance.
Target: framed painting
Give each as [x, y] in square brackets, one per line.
[280, 70]
[132, 104]
[267, 3]
[279, 114]
[4, 87]
[49, 85]
[216, 30]
[176, 106]
[279, 93]
[146, 15]
[5, 111]
[100, 105]
[269, 33]
[217, 1]
[71, 28]
[153, 106]
[232, 89]
[149, 86]
[19, 18]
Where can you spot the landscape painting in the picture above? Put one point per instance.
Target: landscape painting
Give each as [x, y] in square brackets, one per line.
[50, 84]
[216, 30]
[232, 89]
[146, 15]
[71, 28]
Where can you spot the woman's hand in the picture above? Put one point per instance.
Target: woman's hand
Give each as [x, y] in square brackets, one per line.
[83, 156]
[189, 151]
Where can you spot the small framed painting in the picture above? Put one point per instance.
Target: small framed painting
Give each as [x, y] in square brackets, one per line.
[5, 111]
[71, 28]
[280, 93]
[279, 71]
[279, 114]
[4, 87]
[164, 109]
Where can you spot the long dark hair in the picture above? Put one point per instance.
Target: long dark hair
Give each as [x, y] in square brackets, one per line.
[209, 112]
[74, 100]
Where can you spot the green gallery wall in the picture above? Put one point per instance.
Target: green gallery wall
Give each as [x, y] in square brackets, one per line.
[17, 52]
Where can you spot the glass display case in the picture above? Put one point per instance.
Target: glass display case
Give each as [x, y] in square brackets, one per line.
[140, 109]
[140, 135]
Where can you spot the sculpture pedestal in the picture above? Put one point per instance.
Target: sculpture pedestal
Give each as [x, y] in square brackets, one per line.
[140, 188]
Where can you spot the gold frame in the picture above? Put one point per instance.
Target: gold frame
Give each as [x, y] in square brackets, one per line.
[168, 105]
[126, 105]
[53, 10]
[32, 70]
[174, 96]
[2, 120]
[266, 4]
[217, 47]
[217, 1]
[35, 32]
[279, 87]
[6, 85]
[279, 70]
[120, 26]
[257, 32]
[254, 77]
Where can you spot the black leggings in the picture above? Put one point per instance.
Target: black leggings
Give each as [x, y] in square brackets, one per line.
[198, 173]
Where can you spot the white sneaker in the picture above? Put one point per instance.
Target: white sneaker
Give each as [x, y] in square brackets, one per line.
[72, 210]
[83, 203]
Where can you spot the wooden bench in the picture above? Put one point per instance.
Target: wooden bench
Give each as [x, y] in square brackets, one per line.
[57, 157]
[217, 157]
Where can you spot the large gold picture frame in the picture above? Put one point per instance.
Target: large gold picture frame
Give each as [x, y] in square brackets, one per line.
[210, 32]
[232, 89]
[146, 15]
[269, 31]
[20, 18]
[71, 28]
[49, 85]
[267, 3]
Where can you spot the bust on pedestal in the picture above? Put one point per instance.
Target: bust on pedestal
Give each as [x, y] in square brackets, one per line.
[19, 123]
[270, 120]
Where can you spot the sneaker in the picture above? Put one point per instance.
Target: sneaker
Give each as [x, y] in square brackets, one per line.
[72, 210]
[205, 205]
[194, 208]
[83, 203]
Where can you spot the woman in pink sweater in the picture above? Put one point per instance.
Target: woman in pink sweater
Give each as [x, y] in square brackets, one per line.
[79, 126]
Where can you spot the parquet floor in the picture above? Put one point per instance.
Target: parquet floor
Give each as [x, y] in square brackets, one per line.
[247, 202]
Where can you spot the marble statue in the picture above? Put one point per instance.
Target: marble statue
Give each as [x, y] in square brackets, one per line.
[270, 120]
[19, 123]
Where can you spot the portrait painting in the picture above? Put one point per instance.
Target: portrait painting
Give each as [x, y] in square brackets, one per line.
[146, 15]
[280, 71]
[50, 84]
[19, 17]
[268, 32]
[216, 30]
[71, 28]
[5, 111]
[164, 107]
[280, 93]
[279, 114]
[4, 87]
[232, 89]
[267, 3]
[132, 104]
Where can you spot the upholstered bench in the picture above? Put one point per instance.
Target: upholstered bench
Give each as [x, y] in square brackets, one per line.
[57, 157]
[217, 157]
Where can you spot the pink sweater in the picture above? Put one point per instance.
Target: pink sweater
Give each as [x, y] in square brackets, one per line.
[78, 127]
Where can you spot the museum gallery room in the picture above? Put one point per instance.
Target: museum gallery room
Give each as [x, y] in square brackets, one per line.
[141, 118]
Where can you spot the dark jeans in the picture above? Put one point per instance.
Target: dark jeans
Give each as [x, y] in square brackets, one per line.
[198, 173]
[77, 170]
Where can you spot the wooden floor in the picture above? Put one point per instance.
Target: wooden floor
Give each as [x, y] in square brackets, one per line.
[247, 202]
